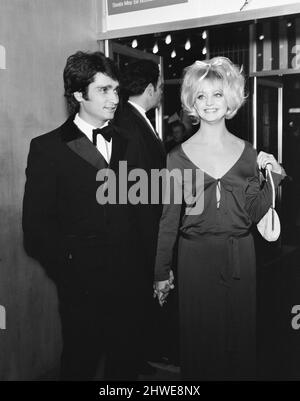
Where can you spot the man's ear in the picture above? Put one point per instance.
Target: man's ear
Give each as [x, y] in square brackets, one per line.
[149, 89]
[78, 96]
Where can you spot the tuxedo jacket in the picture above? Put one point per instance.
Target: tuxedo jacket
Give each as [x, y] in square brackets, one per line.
[65, 228]
[145, 150]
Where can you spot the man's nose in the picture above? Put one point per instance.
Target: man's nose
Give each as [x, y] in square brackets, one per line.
[114, 97]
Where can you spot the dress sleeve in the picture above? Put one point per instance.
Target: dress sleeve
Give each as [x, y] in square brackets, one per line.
[170, 219]
[259, 197]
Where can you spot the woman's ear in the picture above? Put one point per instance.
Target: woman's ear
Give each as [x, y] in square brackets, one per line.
[230, 113]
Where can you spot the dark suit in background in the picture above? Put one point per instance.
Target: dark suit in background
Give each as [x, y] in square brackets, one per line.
[145, 150]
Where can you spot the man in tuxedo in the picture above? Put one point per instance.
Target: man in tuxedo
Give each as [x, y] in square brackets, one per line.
[142, 86]
[87, 248]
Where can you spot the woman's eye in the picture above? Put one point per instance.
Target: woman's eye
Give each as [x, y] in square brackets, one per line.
[219, 94]
[200, 97]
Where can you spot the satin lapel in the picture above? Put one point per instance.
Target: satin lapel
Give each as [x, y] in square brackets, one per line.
[84, 148]
[146, 126]
[81, 145]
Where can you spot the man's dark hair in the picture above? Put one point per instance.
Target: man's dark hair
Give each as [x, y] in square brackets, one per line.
[138, 75]
[80, 71]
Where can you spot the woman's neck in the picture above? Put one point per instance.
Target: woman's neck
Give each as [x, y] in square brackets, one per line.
[212, 134]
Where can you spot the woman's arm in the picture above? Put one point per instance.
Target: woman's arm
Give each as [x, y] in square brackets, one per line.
[169, 222]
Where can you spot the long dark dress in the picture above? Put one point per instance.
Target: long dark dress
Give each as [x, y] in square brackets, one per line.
[216, 267]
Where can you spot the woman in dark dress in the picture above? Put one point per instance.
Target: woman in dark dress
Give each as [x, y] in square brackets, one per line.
[216, 255]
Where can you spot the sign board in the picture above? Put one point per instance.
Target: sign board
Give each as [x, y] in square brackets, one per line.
[138, 15]
[126, 6]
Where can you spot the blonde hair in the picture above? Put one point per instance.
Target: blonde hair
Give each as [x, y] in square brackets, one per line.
[217, 68]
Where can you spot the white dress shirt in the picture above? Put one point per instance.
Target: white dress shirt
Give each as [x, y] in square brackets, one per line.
[103, 146]
[142, 111]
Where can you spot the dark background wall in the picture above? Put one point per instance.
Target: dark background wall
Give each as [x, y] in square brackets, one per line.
[38, 36]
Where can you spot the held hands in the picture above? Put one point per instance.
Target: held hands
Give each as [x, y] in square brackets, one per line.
[264, 158]
[162, 288]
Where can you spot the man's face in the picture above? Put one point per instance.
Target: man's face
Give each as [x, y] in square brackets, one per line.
[102, 100]
[157, 94]
[178, 133]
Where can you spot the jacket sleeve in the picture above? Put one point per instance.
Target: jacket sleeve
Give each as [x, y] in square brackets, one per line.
[169, 223]
[259, 197]
[39, 220]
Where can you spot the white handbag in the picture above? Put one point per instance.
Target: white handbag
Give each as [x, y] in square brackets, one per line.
[269, 225]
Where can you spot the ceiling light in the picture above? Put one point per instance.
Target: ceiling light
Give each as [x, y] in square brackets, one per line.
[155, 48]
[261, 37]
[204, 50]
[187, 45]
[173, 54]
[204, 35]
[134, 43]
[168, 39]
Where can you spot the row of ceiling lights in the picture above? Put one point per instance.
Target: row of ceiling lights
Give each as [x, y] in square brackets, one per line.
[168, 40]
[261, 37]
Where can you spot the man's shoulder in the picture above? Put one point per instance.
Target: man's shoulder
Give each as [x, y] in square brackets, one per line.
[47, 137]
[126, 114]
[129, 121]
[51, 137]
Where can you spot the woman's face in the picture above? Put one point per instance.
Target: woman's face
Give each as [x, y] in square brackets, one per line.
[210, 103]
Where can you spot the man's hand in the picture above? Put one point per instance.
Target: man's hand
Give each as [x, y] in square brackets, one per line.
[171, 280]
[162, 289]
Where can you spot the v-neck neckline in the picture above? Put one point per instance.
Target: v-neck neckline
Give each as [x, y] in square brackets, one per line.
[209, 175]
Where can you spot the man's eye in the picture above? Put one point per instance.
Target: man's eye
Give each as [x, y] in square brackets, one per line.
[103, 90]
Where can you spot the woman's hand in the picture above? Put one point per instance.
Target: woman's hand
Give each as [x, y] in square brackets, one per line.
[264, 158]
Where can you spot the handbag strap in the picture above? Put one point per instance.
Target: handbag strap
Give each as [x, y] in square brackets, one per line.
[268, 168]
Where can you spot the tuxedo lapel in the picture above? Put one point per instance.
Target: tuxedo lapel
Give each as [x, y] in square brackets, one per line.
[81, 145]
[84, 148]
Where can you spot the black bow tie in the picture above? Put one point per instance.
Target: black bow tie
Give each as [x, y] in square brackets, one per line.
[106, 132]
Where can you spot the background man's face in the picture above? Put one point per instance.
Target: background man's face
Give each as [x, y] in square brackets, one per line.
[102, 100]
[177, 133]
[157, 93]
